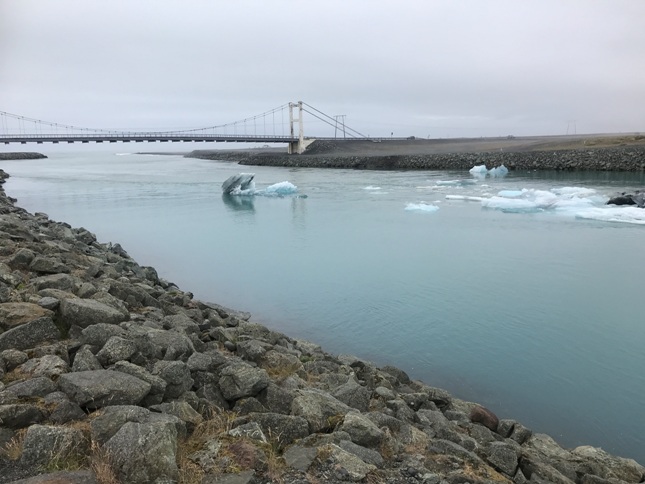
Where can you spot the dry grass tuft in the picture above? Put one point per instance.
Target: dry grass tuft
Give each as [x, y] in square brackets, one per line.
[101, 465]
[13, 449]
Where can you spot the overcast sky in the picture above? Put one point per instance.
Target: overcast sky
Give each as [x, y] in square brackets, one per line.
[419, 67]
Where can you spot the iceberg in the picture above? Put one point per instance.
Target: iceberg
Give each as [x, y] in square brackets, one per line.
[238, 184]
[421, 207]
[464, 198]
[630, 214]
[480, 171]
[278, 190]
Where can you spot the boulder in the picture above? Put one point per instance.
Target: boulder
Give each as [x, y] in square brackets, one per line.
[354, 395]
[144, 453]
[347, 466]
[99, 334]
[361, 430]
[177, 377]
[610, 467]
[20, 415]
[29, 335]
[99, 388]
[321, 410]
[16, 313]
[183, 411]
[282, 429]
[50, 366]
[47, 265]
[242, 380]
[34, 387]
[46, 444]
[116, 349]
[84, 360]
[87, 312]
[158, 384]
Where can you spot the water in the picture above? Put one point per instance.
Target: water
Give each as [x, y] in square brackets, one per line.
[533, 312]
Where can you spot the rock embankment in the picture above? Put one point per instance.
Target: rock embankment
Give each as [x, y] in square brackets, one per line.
[21, 156]
[112, 374]
[622, 158]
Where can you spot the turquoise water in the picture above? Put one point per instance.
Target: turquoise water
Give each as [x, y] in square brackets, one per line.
[534, 311]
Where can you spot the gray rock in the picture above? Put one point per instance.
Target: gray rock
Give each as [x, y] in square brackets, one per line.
[13, 358]
[87, 312]
[251, 431]
[347, 466]
[133, 295]
[321, 410]
[253, 350]
[144, 453]
[282, 429]
[61, 282]
[170, 343]
[181, 410]
[116, 349]
[244, 477]
[242, 380]
[361, 430]
[50, 303]
[47, 265]
[180, 323]
[610, 467]
[201, 362]
[99, 334]
[84, 360]
[244, 406]
[276, 399]
[300, 458]
[99, 388]
[21, 258]
[65, 412]
[158, 384]
[50, 366]
[34, 387]
[504, 457]
[177, 377]
[17, 416]
[368, 456]
[110, 419]
[29, 335]
[61, 477]
[354, 395]
[45, 444]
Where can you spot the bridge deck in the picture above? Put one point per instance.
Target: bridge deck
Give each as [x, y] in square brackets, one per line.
[140, 138]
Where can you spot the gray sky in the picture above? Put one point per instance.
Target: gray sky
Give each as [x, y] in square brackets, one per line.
[418, 67]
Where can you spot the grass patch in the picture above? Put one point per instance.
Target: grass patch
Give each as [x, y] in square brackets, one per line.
[13, 449]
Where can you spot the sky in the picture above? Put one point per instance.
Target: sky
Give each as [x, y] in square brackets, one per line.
[426, 68]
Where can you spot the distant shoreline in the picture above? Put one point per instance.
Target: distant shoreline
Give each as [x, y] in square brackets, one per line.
[21, 156]
[569, 153]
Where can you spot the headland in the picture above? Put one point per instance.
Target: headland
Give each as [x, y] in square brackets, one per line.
[109, 373]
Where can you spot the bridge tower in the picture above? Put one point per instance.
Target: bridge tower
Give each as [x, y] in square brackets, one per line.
[297, 147]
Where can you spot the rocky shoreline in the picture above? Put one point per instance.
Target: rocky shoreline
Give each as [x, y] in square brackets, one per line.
[21, 156]
[111, 374]
[622, 158]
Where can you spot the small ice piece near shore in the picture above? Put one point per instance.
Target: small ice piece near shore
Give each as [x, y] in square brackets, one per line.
[421, 207]
[498, 172]
[480, 171]
[278, 189]
[239, 184]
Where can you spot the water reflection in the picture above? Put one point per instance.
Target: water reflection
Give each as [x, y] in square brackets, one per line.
[237, 203]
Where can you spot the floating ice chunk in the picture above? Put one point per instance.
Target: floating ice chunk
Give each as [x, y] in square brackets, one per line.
[630, 215]
[278, 189]
[370, 187]
[510, 193]
[464, 197]
[479, 170]
[238, 183]
[453, 183]
[574, 191]
[498, 172]
[530, 201]
[421, 207]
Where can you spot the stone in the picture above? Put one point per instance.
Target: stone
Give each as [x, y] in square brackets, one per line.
[243, 477]
[242, 380]
[61, 477]
[21, 258]
[281, 429]
[368, 456]
[116, 349]
[251, 431]
[20, 415]
[107, 422]
[144, 453]
[504, 457]
[361, 430]
[99, 388]
[353, 395]
[65, 412]
[321, 410]
[158, 384]
[276, 399]
[16, 313]
[50, 366]
[300, 458]
[611, 467]
[181, 410]
[50, 303]
[177, 377]
[347, 466]
[13, 358]
[29, 335]
[47, 265]
[61, 282]
[84, 360]
[45, 444]
[87, 312]
[99, 334]
[34, 387]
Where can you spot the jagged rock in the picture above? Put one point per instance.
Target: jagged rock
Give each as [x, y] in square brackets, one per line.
[504, 457]
[16, 313]
[29, 335]
[50, 303]
[201, 362]
[276, 399]
[46, 265]
[610, 467]
[20, 415]
[34, 387]
[354, 395]
[177, 376]
[13, 358]
[65, 412]
[538, 471]
[321, 410]
[401, 377]
[300, 458]
[99, 388]
[98, 334]
[368, 456]
[84, 360]
[181, 410]
[244, 406]
[110, 419]
[50, 366]
[251, 431]
[45, 443]
[170, 345]
[144, 453]
[180, 323]
[158, 384]
[362, 430]
[61, 282]
[87, 312]
[347, 466]
[283, 429]
[116, 349]
[242, 380]
[253, 350]
[21, 258]
[134, 296]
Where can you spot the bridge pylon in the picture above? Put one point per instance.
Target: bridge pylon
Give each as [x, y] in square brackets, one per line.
[297, 147]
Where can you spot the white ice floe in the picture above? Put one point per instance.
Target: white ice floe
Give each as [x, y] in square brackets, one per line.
[453, 183]
[421, 207]
[464, 198]
[278, 190]
[370, 187]
[629, 214]
[480, 171]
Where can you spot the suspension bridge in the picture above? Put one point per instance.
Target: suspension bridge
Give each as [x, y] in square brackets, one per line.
[284, 124]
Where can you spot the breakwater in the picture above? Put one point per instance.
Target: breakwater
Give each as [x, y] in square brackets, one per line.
[597, 159]
[21, 156]
[101, 353]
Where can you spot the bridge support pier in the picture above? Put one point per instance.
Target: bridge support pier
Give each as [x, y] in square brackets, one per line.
[297, 147]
